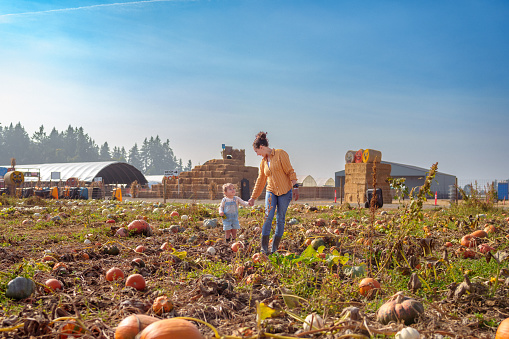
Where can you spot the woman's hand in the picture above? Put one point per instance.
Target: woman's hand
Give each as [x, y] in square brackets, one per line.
[221, 213]
[295, 194]
[251, 202]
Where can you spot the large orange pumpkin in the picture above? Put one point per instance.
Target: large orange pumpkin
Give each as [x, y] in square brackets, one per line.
[114, 273]
[479, 234]
[173, 328]
[503, 330]
[137, 281]
[138, 226]
[132, 325]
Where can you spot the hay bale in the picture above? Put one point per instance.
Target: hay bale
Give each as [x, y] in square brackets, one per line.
[371, 155]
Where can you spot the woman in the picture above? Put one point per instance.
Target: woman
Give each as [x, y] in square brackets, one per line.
[277, 172]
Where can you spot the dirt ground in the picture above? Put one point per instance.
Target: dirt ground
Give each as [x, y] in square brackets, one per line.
[228, 301]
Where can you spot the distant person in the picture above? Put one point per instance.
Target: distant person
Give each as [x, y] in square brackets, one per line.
[277, 172]
[229, 208]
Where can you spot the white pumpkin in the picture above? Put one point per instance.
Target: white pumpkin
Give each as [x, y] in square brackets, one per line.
[211, 250]
[313, 320]
[408, 333]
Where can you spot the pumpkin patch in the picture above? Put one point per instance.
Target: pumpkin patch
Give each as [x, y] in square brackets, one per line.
[327, 259]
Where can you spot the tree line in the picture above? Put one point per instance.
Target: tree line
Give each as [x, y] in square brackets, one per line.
[152, 157]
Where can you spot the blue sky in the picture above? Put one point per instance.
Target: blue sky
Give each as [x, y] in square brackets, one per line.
[422, 82]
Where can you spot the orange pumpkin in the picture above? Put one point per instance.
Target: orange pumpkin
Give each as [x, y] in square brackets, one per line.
[52, 285]
[239, 272]
[490, 229]
[173, 328]
[503, 330]
[132, 325]
[71, 329]
[137, 281]
[479, 234]
[468, 241]
[368, 284]
[258, 257]
[114, 273]
[162, 305]
[138, 226]
[237, 246]
[60, 266]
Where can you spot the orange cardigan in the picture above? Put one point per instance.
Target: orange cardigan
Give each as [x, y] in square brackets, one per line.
[278, 177]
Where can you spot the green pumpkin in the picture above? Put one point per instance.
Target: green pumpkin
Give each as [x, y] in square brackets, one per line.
[112, 250]
[317, 243]
[400, 309]
[20, 288]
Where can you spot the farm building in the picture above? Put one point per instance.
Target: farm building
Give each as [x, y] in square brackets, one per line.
[415, 177]
[110, 172]
[325, 182]
[306, 181]
[309, 181]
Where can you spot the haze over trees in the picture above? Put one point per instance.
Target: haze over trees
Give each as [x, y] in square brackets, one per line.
[152, 157]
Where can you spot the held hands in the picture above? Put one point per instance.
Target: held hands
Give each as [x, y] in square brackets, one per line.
[221, 213]
[251, 202]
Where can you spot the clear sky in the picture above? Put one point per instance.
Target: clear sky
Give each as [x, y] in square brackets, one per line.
[420, 81]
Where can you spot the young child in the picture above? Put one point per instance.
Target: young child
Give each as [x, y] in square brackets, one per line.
[229, 207]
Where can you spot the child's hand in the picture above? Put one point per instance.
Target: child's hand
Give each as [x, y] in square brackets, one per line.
[221, 213]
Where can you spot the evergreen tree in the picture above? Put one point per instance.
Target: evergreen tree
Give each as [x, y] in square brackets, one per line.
[74, 145]
[17, 144]
[39, 138]
[54, 147]
[118, 154]
[104, 153]
[145, 158]
[189, 166]
[134, 157]
[86, 150]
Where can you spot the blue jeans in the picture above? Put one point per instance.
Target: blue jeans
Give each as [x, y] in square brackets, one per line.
[272, 202]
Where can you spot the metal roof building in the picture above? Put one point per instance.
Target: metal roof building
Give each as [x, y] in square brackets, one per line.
[111, 172]
[415, 177]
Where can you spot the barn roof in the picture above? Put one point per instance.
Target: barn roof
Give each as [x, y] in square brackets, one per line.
[111, 172]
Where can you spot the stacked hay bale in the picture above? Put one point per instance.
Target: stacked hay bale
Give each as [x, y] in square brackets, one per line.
[359, 175]
[206, 181]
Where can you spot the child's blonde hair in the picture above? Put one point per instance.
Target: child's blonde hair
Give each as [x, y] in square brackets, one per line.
[225, 186]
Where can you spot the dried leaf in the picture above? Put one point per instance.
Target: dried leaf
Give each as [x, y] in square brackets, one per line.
[414, 283]
[464, 287]
[427, 246]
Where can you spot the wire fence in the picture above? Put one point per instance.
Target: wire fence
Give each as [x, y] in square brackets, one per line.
[483, 187]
